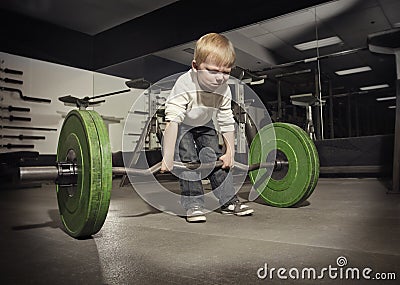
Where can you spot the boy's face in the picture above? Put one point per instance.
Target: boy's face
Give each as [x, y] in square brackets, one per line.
[210, 75]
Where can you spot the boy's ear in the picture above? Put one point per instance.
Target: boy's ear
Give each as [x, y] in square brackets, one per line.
[194, 64]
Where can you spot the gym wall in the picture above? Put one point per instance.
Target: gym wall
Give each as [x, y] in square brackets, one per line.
[49, 81]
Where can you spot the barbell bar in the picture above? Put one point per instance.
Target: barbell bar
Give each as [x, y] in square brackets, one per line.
[65, 173]
[84, 171]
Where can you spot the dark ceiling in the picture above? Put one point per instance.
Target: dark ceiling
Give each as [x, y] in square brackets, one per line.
[97, 36]
[86, 16]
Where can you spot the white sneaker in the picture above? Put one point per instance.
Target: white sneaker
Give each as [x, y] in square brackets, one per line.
[195, 215]
[236, 208]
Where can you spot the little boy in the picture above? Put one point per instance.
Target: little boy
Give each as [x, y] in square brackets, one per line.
[196, 97]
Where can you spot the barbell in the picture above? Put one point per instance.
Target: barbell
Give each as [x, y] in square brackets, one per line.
[65, 173]
[283, 167]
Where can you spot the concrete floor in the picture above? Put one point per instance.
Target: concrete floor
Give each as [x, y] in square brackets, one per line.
[351, 218]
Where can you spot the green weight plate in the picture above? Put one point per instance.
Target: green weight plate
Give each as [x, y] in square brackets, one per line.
[83, 207]
[313, 161]
[314, 158]
[313, 154]
[293, 186]
[106, 163]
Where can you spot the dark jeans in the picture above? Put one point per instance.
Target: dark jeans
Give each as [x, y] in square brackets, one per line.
[200, 144]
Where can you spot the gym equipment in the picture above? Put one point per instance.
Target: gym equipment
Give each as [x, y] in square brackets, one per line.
[87, 101]
[15, 109]
[388, 42]
[11, 81]
[15, 118]
[22, 137]
[10, 145]
[297, 180]
[11, 71]
[23, 97]
[308, 60]
[27, 128]
[83, 199]
[307, 101]
[83, 172]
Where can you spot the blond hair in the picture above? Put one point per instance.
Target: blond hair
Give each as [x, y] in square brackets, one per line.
[215, 48]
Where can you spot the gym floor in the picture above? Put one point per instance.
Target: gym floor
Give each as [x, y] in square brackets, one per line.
[345, 220]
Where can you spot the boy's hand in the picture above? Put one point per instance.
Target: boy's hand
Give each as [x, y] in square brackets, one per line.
[170, 133]
[228, 157]
[227, 161]
[167, 166]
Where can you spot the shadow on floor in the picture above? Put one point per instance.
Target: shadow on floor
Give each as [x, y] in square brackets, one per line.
[245, 195]
[151, 211]
[54, 223]
[32, 247]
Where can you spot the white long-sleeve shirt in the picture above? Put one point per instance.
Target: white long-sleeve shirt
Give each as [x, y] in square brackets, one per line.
[189, 104]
